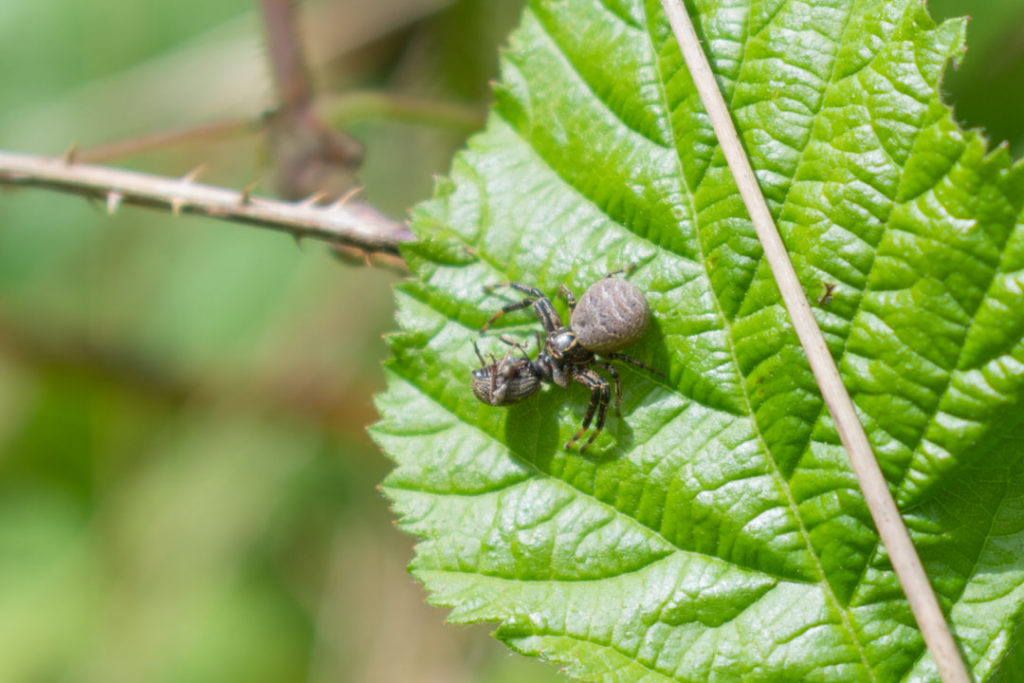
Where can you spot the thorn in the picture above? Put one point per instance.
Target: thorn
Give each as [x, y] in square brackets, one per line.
[70, 154]
[176, 205]
[245, 196]
[114, 202]
[193, 174]
[344, 199]
[312, 199]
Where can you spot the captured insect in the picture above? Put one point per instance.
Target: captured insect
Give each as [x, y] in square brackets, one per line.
[510, 380]
[611, 315]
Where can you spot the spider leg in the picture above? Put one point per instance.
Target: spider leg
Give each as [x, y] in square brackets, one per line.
[540, 340]
[513, 343]
[599, 398]
[519, 305]
[634, 361]
[618, 384]
[519, 287]
[623, 271]
[570, 298]
[546, 313]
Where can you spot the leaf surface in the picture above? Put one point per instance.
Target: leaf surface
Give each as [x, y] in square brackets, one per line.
[714, 531]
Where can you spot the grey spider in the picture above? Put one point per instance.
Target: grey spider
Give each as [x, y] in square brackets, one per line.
[611, 315]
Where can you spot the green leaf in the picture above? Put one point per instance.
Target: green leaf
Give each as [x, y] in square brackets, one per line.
[715, 531]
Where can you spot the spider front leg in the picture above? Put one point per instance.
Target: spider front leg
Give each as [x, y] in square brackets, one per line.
[618, 384]
[570, 298]
[599, 398]
[633, 361]
[516, 345]
[519, 305]
[541, 306]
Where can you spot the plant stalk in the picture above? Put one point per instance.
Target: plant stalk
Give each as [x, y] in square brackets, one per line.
[344, 223]
[894, 535]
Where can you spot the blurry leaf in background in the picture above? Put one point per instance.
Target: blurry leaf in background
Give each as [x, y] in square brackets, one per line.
[986, 88]
[186, 489]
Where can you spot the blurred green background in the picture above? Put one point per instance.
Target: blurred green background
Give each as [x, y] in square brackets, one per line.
[186, 489]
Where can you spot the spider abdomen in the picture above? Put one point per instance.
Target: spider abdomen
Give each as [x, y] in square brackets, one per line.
[611, 315]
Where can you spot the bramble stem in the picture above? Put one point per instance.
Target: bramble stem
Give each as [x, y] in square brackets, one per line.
[343, 223]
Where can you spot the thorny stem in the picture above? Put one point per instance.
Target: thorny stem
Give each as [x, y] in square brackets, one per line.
[344, 223]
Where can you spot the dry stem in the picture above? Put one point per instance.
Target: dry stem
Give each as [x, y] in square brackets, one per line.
[886, 515]
[346, 223]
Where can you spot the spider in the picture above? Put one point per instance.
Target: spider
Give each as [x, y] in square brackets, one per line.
[611, 315]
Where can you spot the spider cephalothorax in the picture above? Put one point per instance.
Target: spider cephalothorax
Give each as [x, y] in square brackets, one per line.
[611, 315]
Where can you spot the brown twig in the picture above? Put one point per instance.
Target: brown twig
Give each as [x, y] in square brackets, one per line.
[351, 224]
[287, 62]
[308, 154]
